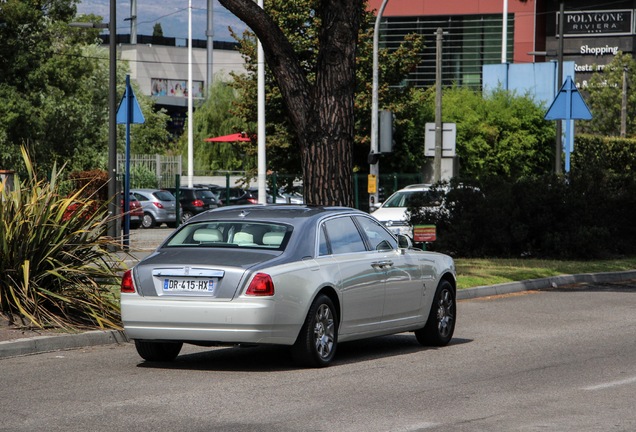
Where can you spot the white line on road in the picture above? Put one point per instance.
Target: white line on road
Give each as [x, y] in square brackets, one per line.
[611, 384]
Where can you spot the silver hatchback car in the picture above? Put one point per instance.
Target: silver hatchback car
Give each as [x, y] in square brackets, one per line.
[159, 207]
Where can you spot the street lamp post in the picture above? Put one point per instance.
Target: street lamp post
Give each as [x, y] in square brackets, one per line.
[112, 121]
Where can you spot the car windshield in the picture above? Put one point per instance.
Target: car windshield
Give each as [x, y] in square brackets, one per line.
[164, 196]
[223, 234]
[406, 198]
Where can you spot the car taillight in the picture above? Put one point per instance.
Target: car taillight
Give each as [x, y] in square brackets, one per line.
[252, 200]
[158, 204]
[197, 203]
[127, 285]
[261, 285]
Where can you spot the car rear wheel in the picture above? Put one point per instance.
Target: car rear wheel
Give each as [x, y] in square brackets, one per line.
[148, 221]
[318, 338]
[185, 216]
[158, 351]
[440, 325]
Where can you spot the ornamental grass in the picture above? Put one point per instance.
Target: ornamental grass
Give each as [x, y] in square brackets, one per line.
[56, 265]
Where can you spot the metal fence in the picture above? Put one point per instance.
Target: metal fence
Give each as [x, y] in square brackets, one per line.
[151, 171]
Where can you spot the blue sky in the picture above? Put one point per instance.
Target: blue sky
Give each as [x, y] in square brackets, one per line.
[173, 16]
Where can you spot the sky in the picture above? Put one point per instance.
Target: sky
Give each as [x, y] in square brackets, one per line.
[173, 16]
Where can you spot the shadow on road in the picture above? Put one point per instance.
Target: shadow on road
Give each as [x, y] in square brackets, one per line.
[277, 358]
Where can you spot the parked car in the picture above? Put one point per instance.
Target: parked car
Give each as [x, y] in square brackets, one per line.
[159, 206]
[393, 212]
[195, 200]
[306, 277]
[135, 210]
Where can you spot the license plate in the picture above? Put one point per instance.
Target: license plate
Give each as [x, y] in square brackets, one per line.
[190, 286]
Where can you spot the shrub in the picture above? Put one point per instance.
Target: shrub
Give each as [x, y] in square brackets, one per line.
[55, 266]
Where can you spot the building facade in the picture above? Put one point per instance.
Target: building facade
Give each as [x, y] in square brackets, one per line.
[593, 33]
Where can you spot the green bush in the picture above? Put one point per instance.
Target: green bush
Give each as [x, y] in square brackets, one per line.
[563, 217]
[55, 266]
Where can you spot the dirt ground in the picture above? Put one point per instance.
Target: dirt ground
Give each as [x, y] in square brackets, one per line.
[10, 331]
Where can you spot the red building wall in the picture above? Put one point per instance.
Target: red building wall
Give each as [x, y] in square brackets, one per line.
[524, 16]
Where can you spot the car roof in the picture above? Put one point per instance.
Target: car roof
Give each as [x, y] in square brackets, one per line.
[422, 186]
[285, 213]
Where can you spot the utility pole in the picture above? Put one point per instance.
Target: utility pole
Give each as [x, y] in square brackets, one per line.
[558, 148]
[374, 164]
[624, 105]
[437, 166]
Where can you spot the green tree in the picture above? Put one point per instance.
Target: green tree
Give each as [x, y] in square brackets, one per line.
[302, 27]
[320, 105]
[215, 117]
[157, 31]
[605, 98]
[54, 88]
[498, 135]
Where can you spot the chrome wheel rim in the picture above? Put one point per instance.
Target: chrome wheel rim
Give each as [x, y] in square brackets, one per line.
[445, 313]
[147, 221]
[324, 331]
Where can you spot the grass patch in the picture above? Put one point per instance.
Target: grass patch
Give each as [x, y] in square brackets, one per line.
[480, 272]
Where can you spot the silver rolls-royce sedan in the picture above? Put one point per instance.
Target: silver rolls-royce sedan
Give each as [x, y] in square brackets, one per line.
[303, 276]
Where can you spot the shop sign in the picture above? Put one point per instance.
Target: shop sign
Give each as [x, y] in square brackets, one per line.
[593, 23]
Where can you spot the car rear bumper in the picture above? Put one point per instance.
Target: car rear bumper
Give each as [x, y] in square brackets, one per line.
[237, 321]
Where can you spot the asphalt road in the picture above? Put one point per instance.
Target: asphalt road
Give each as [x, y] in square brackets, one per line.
[558, 360]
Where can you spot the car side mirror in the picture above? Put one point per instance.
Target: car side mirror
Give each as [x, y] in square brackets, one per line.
[404, 242]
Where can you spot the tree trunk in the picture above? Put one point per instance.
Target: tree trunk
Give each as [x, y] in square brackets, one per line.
[322, 113]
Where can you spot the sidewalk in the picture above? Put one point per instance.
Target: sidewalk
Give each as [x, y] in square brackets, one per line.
[42, 344]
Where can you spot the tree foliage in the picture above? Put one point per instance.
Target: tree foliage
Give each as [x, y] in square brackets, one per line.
[217, 116]
[319, 104]
[499, 135]
[605, 98]
[54, 88]
[301, 26]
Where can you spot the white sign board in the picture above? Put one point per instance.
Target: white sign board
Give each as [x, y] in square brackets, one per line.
[449, 133]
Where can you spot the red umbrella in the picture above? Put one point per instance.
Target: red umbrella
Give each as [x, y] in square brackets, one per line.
[229, 138]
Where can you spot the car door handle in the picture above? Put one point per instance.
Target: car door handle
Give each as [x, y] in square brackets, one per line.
[382, 264]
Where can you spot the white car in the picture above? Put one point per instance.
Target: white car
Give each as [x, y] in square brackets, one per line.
[393, 212]
[307, 277]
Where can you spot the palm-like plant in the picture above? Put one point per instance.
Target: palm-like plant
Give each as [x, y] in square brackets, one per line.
[56, 269]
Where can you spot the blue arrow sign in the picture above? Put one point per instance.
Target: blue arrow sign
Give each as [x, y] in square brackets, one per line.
[568, 104]
[129, 110]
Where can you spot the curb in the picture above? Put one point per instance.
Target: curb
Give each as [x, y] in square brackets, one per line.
[544, 283]
[43, 344]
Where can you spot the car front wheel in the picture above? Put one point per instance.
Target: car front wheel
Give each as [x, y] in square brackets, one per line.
[440, 325]
[318, 338]
[158, 351]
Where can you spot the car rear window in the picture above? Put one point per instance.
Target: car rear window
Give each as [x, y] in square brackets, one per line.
[164, 196]
[232, 234]
[204, 194]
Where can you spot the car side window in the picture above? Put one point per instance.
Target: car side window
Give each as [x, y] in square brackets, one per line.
[344, 236]
[323, 247]
[378, 237]
[139, 197]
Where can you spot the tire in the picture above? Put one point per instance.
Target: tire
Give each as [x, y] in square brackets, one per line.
[440, 325]
[318, 338]
[158, 351]
[148, 221]
[185, 216]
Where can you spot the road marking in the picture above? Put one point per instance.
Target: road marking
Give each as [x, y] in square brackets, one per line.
[611, 384]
